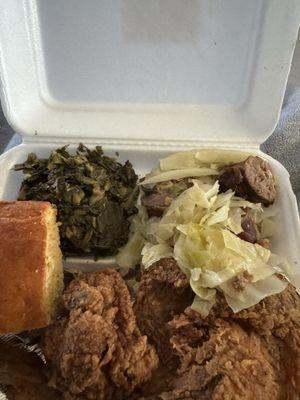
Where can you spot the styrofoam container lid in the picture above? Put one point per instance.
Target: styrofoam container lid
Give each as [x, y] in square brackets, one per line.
[140, 71]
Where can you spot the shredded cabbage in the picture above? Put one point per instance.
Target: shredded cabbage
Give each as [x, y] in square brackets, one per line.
[234, 220]
[253, 293]
[194, 163]
[154, 252]
[214, 257]
[197, 158]
[130, 254]
[203, 306]
[178, 174]
[200, 231]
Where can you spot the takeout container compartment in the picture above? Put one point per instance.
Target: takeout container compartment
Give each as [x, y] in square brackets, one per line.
[285, 241]
[148, 79]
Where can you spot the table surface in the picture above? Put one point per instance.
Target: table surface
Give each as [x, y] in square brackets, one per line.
[6, 132]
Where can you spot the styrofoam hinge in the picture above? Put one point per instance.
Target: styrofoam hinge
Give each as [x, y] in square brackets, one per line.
[140, 144]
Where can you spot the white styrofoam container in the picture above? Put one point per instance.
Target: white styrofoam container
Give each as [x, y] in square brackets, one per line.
[147, 78]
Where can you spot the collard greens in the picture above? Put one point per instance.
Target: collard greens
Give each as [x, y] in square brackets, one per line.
[94, 194]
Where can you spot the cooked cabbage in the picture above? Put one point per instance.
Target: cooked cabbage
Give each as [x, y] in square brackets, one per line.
[194, 163]
[253, 293]
[130, 254]
[204, 157]
[200, 231]
[178, 174]
[154, 252]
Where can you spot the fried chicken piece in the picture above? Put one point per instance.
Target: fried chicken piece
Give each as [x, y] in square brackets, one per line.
[219, 360]
[277, 314]
[275, 317]
[163, 383]
[164, 291]
[160, 382]
[23, 375]
[238, 361]
[251, 354]
[95, 349]
[263, 363]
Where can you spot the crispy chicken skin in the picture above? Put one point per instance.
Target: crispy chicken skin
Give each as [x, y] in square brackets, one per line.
[253, 354]
[218, 361]
[164, 292]
[227, 359]
[222, 349]
[277, 314]
[95, 350]
[277, 319]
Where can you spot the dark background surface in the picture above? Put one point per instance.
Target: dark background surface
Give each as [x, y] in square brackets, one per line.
[6, 132]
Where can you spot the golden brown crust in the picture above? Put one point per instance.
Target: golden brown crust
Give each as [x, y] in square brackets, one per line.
[22, 265]
[164, 291]
[23, 209]
[95, 350]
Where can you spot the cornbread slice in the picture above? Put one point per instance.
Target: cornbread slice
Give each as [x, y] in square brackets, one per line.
[31, 273]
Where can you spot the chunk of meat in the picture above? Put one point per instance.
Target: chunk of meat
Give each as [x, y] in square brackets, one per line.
[164, 291]
[163, 387]
[156, 203]
[241, 280]
[161, 195]
[95, 350]
[251, 179]
[250, 229]
[160, 382]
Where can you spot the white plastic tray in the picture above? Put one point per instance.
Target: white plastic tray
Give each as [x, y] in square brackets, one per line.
[147, 78]
[285, 241]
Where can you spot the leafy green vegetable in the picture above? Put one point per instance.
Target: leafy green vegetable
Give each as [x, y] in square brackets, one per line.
[94, 194]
